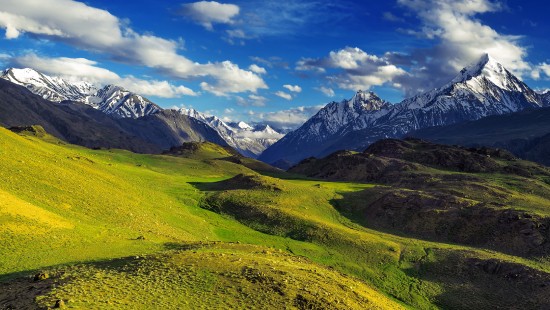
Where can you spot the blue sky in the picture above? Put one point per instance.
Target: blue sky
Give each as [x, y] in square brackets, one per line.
[273, 61]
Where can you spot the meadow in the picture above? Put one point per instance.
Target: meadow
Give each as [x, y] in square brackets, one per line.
[100, 229]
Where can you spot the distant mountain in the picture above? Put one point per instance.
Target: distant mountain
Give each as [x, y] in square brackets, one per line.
[121, 103]
[110, 99]
[248, 140]
[482, 89]
[546, 98]
[324, 128]
[81, 124]
[525, 133]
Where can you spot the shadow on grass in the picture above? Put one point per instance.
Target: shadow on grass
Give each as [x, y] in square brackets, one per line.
[478, 283]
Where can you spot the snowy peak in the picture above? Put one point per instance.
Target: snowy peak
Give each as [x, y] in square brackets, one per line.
[491, 70]
[367, 100]
[335, 115]
[50, 88]
[270, 130]
[243, 125]
[119, 102]
[249, 141]
[479, 90]
[193, 113]
[111, 99]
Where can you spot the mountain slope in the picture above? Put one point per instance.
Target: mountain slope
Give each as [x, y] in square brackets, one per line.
[110, 99]
[120, 103]
[525, 133]
[479, 196]
[80, 124]
[168, 128]
[482, 89]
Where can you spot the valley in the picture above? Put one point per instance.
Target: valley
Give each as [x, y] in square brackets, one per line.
[94, 219]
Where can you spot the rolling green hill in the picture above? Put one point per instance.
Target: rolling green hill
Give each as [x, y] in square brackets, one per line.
[110, 229]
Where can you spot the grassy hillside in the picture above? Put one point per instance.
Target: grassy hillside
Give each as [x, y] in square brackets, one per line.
[113, 229]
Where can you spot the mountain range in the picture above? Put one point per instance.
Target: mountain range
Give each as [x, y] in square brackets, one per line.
[248, 140]
[120, 103]
[127, 120]
[81, 124]
[482, 89]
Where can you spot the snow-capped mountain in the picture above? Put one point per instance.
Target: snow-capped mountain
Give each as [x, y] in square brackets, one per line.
[248, 140]
[50, 88]
[117, 101]
[110, 99]
[481, 89]
[330, 119]
[323, 128]
[546, 98]
[121, 103]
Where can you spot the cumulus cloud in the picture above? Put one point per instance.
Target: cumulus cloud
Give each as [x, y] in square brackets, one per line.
[76, 69]
[259, 135]
[82, 69]
[156, 88]
[352, 68]
[455, 38]
[283, 95]
[207, 13]
[459, 39]
[99, 31]
[287, 119]
[329, 92]
[293, 88]
[542, 68]
[257, 69]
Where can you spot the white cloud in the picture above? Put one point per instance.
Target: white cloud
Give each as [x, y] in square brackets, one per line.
[352, 68]
[283, 95]
[81, 69]
[460, 38]
[76, 69]
[68, 20]
[99, 31]
[287, 119]
[230, 79]
[542, 68]
[293, 88]
[156, 88]
[350, 58]
[251, 100]
[257, 69]
[207, 13]
[329, 92]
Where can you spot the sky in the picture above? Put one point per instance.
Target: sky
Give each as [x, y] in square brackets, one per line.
[272, 61]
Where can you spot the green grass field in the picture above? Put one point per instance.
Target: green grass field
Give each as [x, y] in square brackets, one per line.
[114, 229]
